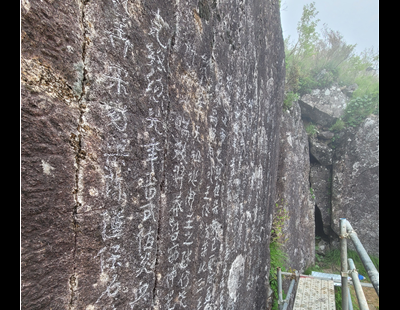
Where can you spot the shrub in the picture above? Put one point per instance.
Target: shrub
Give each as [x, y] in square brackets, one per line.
[338, 126]
[358, 109]
[311, 130]
[289, 99]
[278, 257]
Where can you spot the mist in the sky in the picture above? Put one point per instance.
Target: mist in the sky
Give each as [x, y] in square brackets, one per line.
[356, 20]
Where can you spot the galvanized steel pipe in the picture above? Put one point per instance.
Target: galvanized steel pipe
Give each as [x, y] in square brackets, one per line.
[287, 300]
[280, 288]
[343, 261]
[357, 286]
[366, 260]
[350, 303]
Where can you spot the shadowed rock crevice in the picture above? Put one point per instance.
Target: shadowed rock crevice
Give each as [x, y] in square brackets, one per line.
[313, 160]
[319, 226]
[79, 157]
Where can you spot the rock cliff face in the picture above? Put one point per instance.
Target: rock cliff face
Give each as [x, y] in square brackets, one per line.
[293, 191]
[150, 150]
[344, 171]
[355, 188]
[150, 138]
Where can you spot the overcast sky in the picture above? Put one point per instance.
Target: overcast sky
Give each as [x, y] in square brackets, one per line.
[356, 20]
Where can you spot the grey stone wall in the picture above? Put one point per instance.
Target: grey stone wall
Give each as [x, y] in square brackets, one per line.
[150, 137]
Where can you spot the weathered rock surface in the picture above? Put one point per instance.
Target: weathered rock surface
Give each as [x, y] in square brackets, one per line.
[51, 74]
[321, 151]
[322, 247]
[150, 137]
[325, 135]
[324, 106]
[355, 193]
[349, 90]
[293, 192]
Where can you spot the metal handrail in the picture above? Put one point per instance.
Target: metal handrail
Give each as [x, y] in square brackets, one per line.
[343, 261]
[283, 304]
[366, 260]
[326, 278]
[346, 230]
[362, 301]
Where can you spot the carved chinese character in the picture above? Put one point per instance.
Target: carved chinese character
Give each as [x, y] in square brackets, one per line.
[181, 298]
[149, 211]
[180, 151]
[184, 279]
[196, 156]
[169, 277]
[119, 34]
[114, 187]
[152, 150]
[179, 173]
[189, 222]
[196, 134]
[116, 75]
[112, 288]
[188, 235]
[145, 265]
[153, 121]
[185, 259]
[146, 240]
[112, 224]
[173, 253]
[190, 198]
[157, 24]
[140, 293]
[193, 177]
[177, 205]
[118, 118]
[123, 3]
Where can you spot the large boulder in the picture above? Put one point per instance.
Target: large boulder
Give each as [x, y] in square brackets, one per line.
[293, 191]
[150, 138]
[321, 151]
[323, 106]
[355, 190]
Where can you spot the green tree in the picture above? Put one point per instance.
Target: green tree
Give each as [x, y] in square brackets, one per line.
[298, 53]
[319, 60]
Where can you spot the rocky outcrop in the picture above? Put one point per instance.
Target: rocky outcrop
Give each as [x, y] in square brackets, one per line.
[344, 174]
[293, 191]
[355, 189]
[324, 106]
[150, 138]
